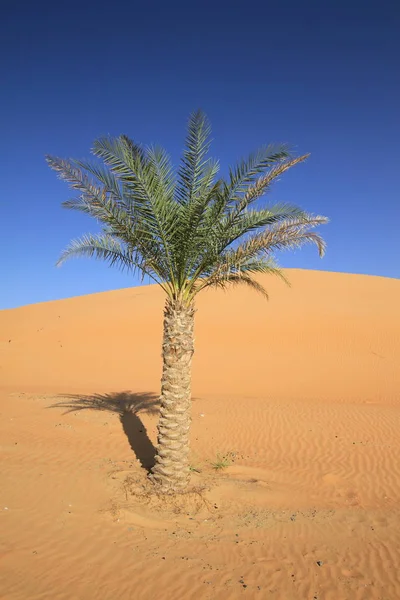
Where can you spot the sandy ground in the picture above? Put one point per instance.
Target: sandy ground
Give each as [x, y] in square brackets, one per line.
[303, 395]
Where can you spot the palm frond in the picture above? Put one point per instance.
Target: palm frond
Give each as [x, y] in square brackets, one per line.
[100, 202]
[260, 187]
[102, 246]
[222, 234]
[146, 177]
[107, 178]
[243, 278]
[68, 171]
[243, 174]
[160, 163]
[237, 221]
[251, 220]
[263, 184]
[234, 269]
[194, 167]
[193, 218]
[107, 248]
[288, 234]
[120, 154]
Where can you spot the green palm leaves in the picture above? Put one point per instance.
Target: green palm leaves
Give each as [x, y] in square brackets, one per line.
[186, 230]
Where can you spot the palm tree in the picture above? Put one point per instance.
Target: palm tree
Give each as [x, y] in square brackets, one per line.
[187, 231]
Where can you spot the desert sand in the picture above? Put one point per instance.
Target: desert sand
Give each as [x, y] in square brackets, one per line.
[303, 395]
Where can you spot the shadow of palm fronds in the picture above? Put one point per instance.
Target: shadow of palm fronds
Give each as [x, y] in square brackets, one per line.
[127, 405]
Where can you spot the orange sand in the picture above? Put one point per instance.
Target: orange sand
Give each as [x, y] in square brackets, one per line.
[304, 391]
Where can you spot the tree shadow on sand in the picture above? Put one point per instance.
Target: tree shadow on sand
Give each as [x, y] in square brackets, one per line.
[127, 405]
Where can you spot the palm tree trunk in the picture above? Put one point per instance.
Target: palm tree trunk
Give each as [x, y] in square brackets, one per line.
[171, 471]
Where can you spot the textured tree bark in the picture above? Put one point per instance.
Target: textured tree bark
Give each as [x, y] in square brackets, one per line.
[171, 472]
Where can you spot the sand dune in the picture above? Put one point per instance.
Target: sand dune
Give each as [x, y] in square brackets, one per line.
[302, 393]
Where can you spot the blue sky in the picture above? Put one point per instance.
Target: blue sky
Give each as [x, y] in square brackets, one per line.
[321, 76]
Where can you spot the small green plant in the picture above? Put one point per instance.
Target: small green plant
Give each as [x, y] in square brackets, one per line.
[222, 461]
[194, 469]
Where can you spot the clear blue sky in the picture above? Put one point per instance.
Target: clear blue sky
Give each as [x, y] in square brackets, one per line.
[322, 76]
